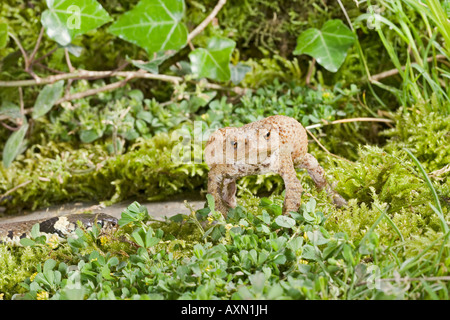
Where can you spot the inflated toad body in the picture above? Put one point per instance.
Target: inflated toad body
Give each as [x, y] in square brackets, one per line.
[276, 144]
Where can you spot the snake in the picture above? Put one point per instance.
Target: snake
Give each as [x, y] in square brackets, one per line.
[61, 226]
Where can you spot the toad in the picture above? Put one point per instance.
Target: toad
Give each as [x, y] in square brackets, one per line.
[276, 144]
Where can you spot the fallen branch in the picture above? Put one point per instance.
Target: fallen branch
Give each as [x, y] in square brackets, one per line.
[19, 44]
[35, 50]
[91, 92]
[85, 74]
[9, 127]
[319, 125]
[392, 72]
[75, 74]
[14, 189]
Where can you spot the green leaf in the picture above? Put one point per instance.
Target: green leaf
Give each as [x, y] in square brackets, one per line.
[114, 261]
[258, 281]
[3, 35]
[87, 136]
[152, 66]
[154, 25]
[27, 242]
[64, 20]
[213, 62]
[106, 273]
[133, 213]
[285, 222]
[347, 254]
[316, 237]
[131, 134]
[139, 236]
[35, 230]
[13, 145]
[10, 110]
[200, 100]
[238, 72]
[47, 98]
[265, 229]
[150, 241]
[275, 292]
[265, 217]
[295, 244]
[49, 265]
[309, 252]
[145, 115]
[210, 200]
[328, 46]
[73, 49]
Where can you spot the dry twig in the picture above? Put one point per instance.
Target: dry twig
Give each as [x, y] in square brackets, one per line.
[325, 149]
[205, 22]
[393, 72]
[15, 188]
[326, 123]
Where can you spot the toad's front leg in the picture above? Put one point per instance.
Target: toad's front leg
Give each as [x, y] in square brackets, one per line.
[292, 184]
[229, 192]
[215, 188]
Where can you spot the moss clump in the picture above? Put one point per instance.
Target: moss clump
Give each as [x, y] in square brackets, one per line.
[60, 173]
[19, 263]
[425, 130]
[391, 182]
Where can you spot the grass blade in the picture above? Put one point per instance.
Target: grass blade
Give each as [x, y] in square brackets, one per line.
[438, 208]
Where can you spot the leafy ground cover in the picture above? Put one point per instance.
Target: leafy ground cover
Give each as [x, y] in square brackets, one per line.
[93, 113]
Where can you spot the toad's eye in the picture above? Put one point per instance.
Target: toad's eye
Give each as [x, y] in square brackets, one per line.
[267, 135]
[234, 144]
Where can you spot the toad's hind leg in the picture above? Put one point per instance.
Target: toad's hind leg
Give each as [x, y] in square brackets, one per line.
[317, 173]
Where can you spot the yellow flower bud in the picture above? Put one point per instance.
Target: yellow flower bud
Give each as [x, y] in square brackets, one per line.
[33, 276]
[43, 295]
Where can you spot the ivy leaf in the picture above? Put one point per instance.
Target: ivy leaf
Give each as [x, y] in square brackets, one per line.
[14, 144]
[213, 62]
[238, 72]
[154, 25]
[328, 46]
[47, 98]
[152, 66]
[3, 35]
[73, 49]
[64, 20]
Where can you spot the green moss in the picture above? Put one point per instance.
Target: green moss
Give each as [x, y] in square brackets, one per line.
[59, 173]
[425, 130]
[19, 263]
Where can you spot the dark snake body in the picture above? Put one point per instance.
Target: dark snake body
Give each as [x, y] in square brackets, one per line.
[62, 226]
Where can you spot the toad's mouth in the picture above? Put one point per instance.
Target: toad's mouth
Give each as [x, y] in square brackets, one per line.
[253, 157]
